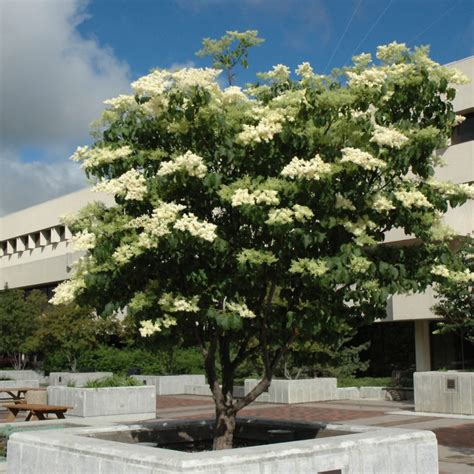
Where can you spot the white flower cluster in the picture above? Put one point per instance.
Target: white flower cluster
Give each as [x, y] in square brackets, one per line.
[372, 77]
[83, 240]
[269, 125]
[279, 73]
[233, 94]
[202, 230]
[313, 169]
[413, 198]
[361, 158]
[241, 309]
[362, 60]
[148, 327]
[305, 70]
[359, 264]
[315, 268]
[243, 196]
[285, 215]
[449, 189]
[67, 291]
[459, 119]
[131, 185]
[121, 102]
[125, 252]
[159, 81]
[391, 52]
[157, 224]
[344, 203]
[190, 163]
[179, 304]
[388, 137]
[465, 276]
[280, 216]
[381, 203]
[441, 232]
[455, 76]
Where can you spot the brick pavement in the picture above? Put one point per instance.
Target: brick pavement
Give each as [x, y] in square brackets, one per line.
[458, 437]
[168, 401]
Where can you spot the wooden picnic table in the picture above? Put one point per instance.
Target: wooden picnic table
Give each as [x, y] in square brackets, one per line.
[18, 393]
[36, 410]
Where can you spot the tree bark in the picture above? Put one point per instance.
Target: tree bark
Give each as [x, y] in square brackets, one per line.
[224, 428]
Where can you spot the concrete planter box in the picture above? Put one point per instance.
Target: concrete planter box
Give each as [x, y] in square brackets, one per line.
[444, 392]
[171, 384]
[297, 391]
[23, 375]
[19, 383]
[107, 451]
[80, 379]
[108, 401]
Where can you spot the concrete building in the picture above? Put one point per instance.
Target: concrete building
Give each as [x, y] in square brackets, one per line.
[35, 251]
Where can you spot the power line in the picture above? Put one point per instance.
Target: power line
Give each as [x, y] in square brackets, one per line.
[449, 10]
[371, 29]
[343, 35]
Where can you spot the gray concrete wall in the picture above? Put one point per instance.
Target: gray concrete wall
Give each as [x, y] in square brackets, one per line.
[170, 384]
[23, 375]
[109, 401]
[367, 450]
[297, 391]
[19, 383]
[433, 392]
[79, 378]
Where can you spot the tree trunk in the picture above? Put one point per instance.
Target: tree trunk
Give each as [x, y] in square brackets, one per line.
[224, 428]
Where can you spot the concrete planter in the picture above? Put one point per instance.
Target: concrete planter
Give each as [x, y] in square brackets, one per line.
[23, 375]
[171, 384]
[297, 391]
[80, 379]
[108, 401]
[444, 392]
[108, 451]
[19, 383]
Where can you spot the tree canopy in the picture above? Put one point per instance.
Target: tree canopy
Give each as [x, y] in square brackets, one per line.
[257, 217]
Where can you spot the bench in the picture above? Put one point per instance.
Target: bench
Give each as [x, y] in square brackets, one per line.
[36, 410]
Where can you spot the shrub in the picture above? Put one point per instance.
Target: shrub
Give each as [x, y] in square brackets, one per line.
[114, 381]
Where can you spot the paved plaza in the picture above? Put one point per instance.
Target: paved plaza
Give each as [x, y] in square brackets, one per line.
[455, 433]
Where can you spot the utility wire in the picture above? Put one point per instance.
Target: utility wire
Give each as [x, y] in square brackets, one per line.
[370, 30]
[342, 36]
[449, 10]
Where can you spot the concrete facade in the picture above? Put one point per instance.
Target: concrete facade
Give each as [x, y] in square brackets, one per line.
[171, 384]
[366, 449]
[297, 391]
[79, 379]
[110, 401]
[444, 392]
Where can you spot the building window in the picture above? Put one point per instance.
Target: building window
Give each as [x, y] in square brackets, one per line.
[465, 131]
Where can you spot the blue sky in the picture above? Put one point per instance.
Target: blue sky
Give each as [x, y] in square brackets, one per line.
[160, 33]
[64, 57]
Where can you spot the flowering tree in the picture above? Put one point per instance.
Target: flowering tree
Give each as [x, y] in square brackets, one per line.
[256, 218]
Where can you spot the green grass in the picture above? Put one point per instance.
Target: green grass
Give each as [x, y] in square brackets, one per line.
[364, 382]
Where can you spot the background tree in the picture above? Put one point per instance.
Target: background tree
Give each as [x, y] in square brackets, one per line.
[254, 218]
[18, 319]
[69, 331]
[455, 294]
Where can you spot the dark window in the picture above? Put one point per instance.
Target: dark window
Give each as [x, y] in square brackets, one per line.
[465, 131]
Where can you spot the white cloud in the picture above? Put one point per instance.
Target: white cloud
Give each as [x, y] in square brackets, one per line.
[53, 80]
[25, 184]
[52, 85]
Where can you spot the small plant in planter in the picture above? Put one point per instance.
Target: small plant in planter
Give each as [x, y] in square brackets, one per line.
[253, 218]
[114, 381]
